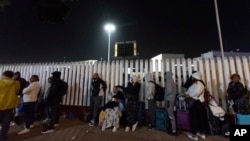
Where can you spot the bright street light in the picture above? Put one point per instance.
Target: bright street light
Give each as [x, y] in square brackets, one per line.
[110, 28]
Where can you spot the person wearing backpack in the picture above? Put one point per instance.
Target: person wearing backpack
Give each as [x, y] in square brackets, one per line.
[150, 91]
[170, 95]
[53, 100]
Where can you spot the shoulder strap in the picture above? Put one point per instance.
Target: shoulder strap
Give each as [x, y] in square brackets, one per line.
[151, 81]
[201, 92]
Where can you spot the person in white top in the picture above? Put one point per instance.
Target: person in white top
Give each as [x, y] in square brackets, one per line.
[30, 95]
[198, 118]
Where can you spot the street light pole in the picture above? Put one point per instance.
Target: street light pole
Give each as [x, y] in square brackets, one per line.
[109, 28]
[109, 47]
[219, 30]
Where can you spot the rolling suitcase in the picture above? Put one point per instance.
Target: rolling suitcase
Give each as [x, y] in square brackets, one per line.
[242, 119]
[182, 116]
[183, 120]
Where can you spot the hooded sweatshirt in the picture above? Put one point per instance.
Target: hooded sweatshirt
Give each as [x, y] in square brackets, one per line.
[9, 89]
[170, 89]
[150, 87]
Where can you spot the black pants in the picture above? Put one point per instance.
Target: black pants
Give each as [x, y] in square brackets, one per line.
[198, 117]
[29, 111]
[95, 104]
[151, 109]
[6, 116]
[54, 111]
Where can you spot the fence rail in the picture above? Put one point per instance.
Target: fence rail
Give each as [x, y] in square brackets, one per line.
[216, 74]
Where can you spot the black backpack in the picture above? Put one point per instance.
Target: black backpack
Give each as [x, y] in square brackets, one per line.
[159, 92]
[64, 88]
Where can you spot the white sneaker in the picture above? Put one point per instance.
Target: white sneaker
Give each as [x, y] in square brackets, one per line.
[56, 125]
[12, 123]
[31, 126]
[103, 129]
[91, 123]
[134, 126]
[127, 129]
[193, 137]
[226, 134]
[201, 135]
[114, 129]
[25, 130]
[46, 120]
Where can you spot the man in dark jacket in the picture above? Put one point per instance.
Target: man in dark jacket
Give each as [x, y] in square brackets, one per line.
[98, 88]
[53, 101]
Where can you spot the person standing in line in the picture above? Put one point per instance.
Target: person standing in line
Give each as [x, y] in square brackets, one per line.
[54, 99]
[30, 95]
[235, 91]
[23, 84]
[131, 92]
[98, 88]
[170, 95]
[46, 107]
[150, 91]
[9, 90]
[198, 114]
[188, 82]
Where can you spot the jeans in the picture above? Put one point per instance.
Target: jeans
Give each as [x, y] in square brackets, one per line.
[47, 112]
[95, 104]
[29, 112]
[6, 116]
[20, 109]
[171, 114]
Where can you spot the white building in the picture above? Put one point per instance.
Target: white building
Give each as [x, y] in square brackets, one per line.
[213, 54]
[164, 57]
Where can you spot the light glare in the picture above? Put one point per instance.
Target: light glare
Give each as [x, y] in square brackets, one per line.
[109, 27]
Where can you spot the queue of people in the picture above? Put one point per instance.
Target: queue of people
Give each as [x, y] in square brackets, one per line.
[124, 100]
[19, 97]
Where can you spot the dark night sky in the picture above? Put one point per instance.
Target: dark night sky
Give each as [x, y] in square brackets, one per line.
[163, 26]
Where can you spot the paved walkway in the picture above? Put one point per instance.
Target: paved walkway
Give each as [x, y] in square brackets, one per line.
[76, 130]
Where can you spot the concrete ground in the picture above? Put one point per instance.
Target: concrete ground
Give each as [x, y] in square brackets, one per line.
[77, 130]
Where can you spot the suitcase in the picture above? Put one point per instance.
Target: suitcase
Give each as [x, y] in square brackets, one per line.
[182, 116]
[161, 119]
[183, 120]
[242, 119]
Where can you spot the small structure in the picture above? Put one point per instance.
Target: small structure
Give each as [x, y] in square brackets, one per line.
[164, 57]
